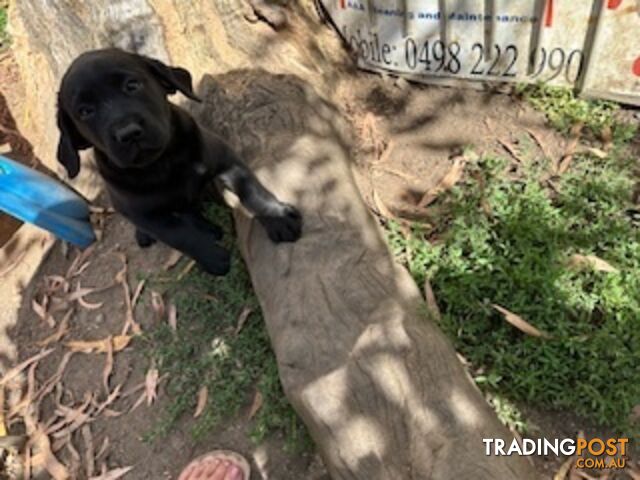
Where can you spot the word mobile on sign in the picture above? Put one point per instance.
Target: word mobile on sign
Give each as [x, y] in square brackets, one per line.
[591, 45]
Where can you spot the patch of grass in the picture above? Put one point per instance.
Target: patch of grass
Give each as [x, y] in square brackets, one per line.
[206, 351]
[564, 110]
[509, 242]
[4, 34]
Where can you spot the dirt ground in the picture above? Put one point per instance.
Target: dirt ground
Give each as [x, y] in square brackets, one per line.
[407, 137]
[83, 373]
[409, 134]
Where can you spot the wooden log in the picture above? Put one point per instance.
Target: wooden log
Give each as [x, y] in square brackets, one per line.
[378, 385]
[376, 382]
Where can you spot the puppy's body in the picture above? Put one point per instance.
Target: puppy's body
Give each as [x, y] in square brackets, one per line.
[154, 157]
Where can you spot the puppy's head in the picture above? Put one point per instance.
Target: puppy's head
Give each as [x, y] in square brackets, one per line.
[117, 102]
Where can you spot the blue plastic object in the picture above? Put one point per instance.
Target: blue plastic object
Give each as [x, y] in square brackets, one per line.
[36, 198]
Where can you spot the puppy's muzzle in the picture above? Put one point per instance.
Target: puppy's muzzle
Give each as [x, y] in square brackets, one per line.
[128, 132]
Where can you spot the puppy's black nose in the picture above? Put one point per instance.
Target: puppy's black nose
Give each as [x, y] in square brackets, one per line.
[128, 133]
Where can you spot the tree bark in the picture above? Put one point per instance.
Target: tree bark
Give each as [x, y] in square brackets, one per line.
[378, 385]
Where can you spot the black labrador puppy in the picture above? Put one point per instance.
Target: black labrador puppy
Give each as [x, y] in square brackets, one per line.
[154, 157]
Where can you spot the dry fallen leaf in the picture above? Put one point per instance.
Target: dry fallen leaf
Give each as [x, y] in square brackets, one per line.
[49, 385]
[561, 474]
[606, 135]
[432, 304]
[185, 271]
[78, 295]
[539, 141]
[157, 303]
[88, 452]
[27, 400]
[3, 427]
[151, 385]
[242, 319]
[633, 473]
[398, 173]
[591, 261]
[596, 152]
[172, 316]
[520, 323]
[174, 258]
[119, 342]
[138, 402]
[81, 269]
[121, 278]
[55, 284]
[113, 474]
[71, 418]
[448, 181]
[109, 413]
[74, 466]
[15, 371]
[385, 154]
[113, 396]
[41, 311]
[584, 475]
[137, 292]
[572, 144]
[63, 329]
[89, 306]
[132, 390]
[103, 448]
[31, 383]
[78, 262]
[381, 206]
[255, 405]
[509, 147]
[45, 457]
[39, 441]
[203, 394]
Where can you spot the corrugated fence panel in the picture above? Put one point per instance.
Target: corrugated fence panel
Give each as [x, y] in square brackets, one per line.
[614, 68]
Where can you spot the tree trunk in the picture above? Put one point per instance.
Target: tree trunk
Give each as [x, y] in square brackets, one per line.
[378, 385]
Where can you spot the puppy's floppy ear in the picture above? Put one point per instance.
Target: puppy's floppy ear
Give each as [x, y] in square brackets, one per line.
[173, 79]
[70, 142]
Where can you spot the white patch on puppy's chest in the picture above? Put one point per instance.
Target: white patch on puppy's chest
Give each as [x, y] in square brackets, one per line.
[200, 168]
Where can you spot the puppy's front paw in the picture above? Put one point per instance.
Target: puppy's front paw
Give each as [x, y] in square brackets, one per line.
[286, 227]
[216, 260]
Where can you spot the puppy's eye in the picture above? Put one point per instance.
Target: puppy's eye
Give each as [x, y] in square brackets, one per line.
[132, 85]
[85, 112]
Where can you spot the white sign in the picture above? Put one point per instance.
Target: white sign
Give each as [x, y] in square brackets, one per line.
[555, 41]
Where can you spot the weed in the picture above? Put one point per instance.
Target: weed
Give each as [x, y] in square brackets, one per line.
[564, 110]
[508, 242]
[206, 350]
[4, 34]
[508, 413]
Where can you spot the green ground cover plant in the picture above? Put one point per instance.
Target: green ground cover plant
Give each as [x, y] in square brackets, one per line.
[513, 242]
[218, 346]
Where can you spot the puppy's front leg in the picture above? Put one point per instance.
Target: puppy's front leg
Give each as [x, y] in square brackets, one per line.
[198, 221]
[282, 221]
[178, 231]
